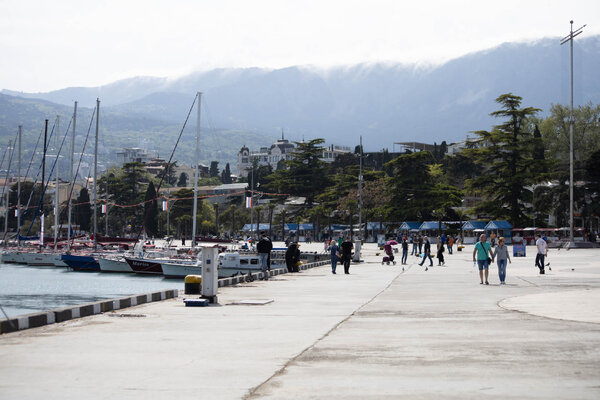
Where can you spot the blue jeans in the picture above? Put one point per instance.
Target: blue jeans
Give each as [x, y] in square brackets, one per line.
[502, 269]
[264, 257]
[425, 258]
[404, 256]
[334, 260]
[414, 249]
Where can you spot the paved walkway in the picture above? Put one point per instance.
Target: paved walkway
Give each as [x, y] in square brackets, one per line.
[379, 332]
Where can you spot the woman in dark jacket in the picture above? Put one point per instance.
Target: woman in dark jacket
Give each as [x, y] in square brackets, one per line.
[292, 257]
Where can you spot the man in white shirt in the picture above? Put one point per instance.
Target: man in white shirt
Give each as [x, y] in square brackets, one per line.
[542, 250]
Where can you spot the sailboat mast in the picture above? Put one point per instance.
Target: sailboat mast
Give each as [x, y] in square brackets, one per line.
[195, 210]
[7, 190]
[19, 190]
[56, 191]
[360, 185]
[43, 183]
[71, 177]
[96, 175]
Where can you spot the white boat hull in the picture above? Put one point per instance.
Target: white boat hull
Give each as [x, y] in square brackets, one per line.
[177, 271]
[44, 260]
[114, 265]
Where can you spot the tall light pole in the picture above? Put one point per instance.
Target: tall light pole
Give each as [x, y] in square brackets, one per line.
[569, 38]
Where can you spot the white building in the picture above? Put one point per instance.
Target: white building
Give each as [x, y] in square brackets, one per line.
[281, 150]
[134, 154]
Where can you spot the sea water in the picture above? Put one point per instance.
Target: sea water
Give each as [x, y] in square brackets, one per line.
[25, 289]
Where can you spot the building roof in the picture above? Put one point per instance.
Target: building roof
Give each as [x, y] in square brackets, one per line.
[471, 225]
[498, 225]
[410, 225]
[431, 225]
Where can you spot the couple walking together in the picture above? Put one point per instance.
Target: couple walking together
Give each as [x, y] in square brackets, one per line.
[480, 255]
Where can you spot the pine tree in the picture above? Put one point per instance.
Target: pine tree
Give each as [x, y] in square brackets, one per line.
[506, 152]
[83, 210]
[182, 180]
[226, 175]
[151, 211]
[214, 169]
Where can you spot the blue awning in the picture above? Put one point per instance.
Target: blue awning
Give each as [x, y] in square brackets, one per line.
[471, 225]
[261, 227]
[410, 225]
[431, 225]
[303, 227]
[493, 225]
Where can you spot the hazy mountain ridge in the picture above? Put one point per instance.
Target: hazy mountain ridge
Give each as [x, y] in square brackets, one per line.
[384, 103]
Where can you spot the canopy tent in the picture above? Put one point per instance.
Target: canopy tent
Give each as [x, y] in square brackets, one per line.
[261, 227]
[303, 227]
[431, 226]
[411, 226]
[501, 228]
[476, 226]
[498, 225]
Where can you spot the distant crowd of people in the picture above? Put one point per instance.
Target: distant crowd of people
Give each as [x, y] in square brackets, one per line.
[340, 250]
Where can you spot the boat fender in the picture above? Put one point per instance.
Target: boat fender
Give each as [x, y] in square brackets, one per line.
[193, 284]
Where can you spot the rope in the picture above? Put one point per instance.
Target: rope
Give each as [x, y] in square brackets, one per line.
[162, 178]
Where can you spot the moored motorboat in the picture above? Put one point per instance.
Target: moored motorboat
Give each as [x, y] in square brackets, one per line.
[114, 264]
[145, 266]
[81, 262]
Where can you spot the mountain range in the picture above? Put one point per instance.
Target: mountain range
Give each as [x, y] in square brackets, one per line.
[383, 102]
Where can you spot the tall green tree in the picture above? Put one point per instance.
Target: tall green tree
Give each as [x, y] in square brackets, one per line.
[83, 210]
[226, 175]
[214, 169]
[555, 131]
[183, 178]
[305, 174]
[506, 152]
[151, 211]
[409, 190]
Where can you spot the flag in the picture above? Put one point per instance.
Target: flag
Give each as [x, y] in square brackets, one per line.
[103, 208]
[16, 213]
[165, 205]
[248, 202]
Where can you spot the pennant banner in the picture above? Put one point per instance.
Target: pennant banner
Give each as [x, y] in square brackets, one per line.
[165, 205]
[248, 202]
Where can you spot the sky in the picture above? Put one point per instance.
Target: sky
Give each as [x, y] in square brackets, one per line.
[48, 45]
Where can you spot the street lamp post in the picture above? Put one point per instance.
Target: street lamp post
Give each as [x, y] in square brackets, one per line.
[569, 38]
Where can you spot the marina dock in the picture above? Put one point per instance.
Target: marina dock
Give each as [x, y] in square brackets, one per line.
[379, 332]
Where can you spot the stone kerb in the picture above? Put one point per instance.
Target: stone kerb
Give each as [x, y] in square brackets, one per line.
[83, 310]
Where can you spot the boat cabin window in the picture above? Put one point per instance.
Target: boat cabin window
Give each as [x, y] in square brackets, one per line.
[243, 261]
[254, 261]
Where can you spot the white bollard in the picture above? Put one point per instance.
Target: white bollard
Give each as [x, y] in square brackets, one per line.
[210, 272]
[357, 245]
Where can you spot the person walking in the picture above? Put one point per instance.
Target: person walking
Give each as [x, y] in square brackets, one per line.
[292, 257]
[420, 240]
[404, 251]
[264, 248]
[334, 251]
[440, 251]
[450, 243]
[427, 253]
[415, 245]
[542, 251]
[347, 247]
[501, 255]
[481, 251]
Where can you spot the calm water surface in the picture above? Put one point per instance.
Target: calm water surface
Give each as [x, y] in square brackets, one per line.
[25, 289]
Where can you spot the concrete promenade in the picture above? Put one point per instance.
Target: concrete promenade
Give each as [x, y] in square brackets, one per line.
[379, 332]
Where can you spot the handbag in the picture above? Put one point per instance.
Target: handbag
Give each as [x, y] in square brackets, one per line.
[489, 260]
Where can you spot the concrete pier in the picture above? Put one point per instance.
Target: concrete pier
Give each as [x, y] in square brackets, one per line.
[379, 332]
